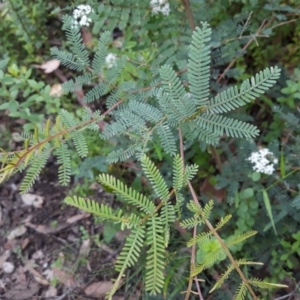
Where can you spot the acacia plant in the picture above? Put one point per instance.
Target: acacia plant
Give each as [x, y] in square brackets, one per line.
[173, 111]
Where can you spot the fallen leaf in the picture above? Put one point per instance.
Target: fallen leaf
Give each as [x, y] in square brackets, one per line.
[32, 200]
[22, 291]
[37, 255]
[5, 255]
[25, 243]
[37, 276]
[77, 218]
[10, 244]
[47, 229]
[208, 189]
[51, 292]
[85, 248]
[98, 289]
[19, 276]
[49, 66]
[64, 278]
[19, 231]
[87, 37]
[48, 274]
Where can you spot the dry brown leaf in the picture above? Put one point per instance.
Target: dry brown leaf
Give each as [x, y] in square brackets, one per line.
[98, 289]
[4, 256]
[37, 255]
[49, 66]
[22, 291]
[25, 243]
[51, 292]
[85, 248]
[208, 189]
[32, 200]
[10, 244]
[47, 229]
[37, 276]
[87, 37]
[19, 231]
[64, 278]
[77, 218]
[20, 276]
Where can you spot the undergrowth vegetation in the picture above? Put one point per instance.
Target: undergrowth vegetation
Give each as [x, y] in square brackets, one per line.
[187, 114]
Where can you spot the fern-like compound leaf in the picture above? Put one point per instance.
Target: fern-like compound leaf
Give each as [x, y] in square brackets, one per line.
[67, 59]
[34, 170]
[127, 194]
[105, 212]
[101, 53]
[75, 85]
[189, 173]
[176, 95]
[230, 268]
[250, 89]
[219, 125]
[157, 182]
[222, 278]
[222, 222]
[209, 260]
[155, 256]
[131, 250]
[178, 171]
[240, 238]
[198, 65]
[77, 136]
[96, 92]
[168, 214]
[208, 207]
[191, 222]
[113, 73]
[167, 138]
[121, 154]
[241, 292]
[265, 285]
[199, 238]
[63, 158]
[146, 111]
[74, 37]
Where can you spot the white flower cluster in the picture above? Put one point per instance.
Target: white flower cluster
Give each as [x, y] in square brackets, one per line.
[160, 6]
[264, 161]
[110, 60]
[80, 15]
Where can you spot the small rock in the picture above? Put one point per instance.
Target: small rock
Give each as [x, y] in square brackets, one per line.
[8, 267]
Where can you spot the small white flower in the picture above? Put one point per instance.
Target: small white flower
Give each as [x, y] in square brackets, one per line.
[80, 14]
[160, 6]
[264, 161]
[110, 60]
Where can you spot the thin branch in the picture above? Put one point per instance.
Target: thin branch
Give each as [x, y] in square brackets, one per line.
[193, 255]
[262, 26]
[223, 245]
[198, 288]
[247, 21]
[189, 13]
